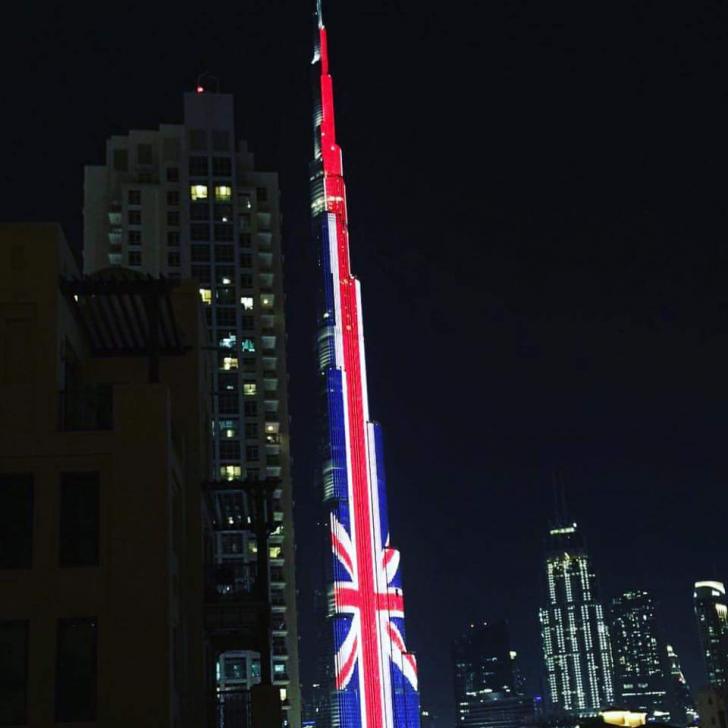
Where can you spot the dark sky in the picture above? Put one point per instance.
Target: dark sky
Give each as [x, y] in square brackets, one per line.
[538, 209]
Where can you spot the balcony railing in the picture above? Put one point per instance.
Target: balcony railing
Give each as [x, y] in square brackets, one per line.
[86, 408]
[233, 709]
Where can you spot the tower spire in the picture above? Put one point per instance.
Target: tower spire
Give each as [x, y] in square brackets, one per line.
[319, 15]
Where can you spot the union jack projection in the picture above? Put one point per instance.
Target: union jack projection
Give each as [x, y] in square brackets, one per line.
[375, 676]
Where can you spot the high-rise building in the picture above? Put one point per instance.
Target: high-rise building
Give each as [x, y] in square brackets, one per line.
[574, 634]
[712, 615]
[103, 446]
[185, 200]
[375, 675]
[680, 699]
[486, 681]
[640, 683]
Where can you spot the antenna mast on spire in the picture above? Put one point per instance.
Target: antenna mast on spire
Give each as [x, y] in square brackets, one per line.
[319, 14]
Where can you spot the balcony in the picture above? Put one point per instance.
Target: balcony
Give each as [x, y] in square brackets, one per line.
[86, 408]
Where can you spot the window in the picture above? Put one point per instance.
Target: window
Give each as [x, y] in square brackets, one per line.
[223, 212]
[245, 240]
[220, 140]
[134, 237]
[224, 254]
[223, 231]
[248, 323]
[172, 174]
[245, 225]
[226, 296]
[246, 280]
[229, 363]
[13, 672]
[226, 317]
[199, 211]
[200, 253]
[173, 260]
[223, 193]
[135, 258]
[173, 198]
[202, 273]
[247, 345]
[198, 139]
[200, 231]
[227, 428]
[250, 389]
[246, 202]
[261, 193]
[173, 238]
[135, 217]
[173, 218]
[121, 160]
[225, 274]
[198, 192]
[251, 452]
[135, 197]
[206, 295]
[246, 260]
[250, 407]
[198, 166]
[230, 472]
[16, 521]
[229, 449]
[79, 520]
[222, 166]
[226, 339]
[251, 430]
[246, 302]
[76, 670]
[144, 154]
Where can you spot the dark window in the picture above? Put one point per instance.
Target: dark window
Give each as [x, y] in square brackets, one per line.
[225, 275]
[261, 193]
[173, 197]
[198, 139]
[200, 231]
[251, 430]
[135, 197]
[76, 670]
[121, 160]
[229, 449]
[248, 323]
[134, 237]
[202, 273]
[223, 231]
[200, 253]
[173, 238]
[245, 223]
[220, 140]
[223, 213]
[170, 148]
[226, 296]
[251, 407]
[144, 153]
[16, 521]
[245, 240]
[227, 404]
[173, 259]
[135, 258]
[173, 218]
[79, 529]
[227, 381]
[224, 254]
[198, 166]
[172, 174]
[135, 217]
[221, 166]
[199, 211]
[246, 260]
[13, 672]
[251, 452]
[246, 280]
[226, 317]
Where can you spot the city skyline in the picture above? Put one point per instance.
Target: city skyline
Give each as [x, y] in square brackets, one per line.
[566, 262]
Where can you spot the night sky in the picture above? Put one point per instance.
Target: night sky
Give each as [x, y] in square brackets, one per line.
[538, 215]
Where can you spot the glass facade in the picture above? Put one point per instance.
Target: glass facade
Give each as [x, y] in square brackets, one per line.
[711, 613]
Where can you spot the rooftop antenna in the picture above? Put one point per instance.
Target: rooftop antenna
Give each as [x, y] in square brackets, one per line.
[319, 14]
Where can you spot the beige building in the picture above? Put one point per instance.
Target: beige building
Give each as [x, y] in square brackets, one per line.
[103, 448]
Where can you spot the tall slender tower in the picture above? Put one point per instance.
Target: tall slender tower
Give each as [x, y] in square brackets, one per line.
[375, 676]
[712, 615]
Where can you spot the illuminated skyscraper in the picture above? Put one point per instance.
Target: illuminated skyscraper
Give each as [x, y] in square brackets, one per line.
[640, 683]
[487, 693]
[712, 615]
[574, 634]
[185, 200]
[680, 699]
[375, 676]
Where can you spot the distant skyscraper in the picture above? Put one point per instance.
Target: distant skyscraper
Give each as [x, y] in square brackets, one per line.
[640, 683]
[186, 200]
[712, 615]
[574, 634]
[680, 699]
[487, 689]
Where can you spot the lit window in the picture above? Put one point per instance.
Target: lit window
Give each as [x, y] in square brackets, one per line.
[198, 192]
[248, 345]
[206, 295]
[229, 362]
[228, 342]
[275, 552]
[250, 389]
[223, 193]
[246, 302]
[284, 694]
[230, 472]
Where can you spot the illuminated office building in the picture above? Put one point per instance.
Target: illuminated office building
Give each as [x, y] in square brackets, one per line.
[711, 613]
[185, 201]
[680, 699]
[640, 684]
[574, 634]
[486, 681]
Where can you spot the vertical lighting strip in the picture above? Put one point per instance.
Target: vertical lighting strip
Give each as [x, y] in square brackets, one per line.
[375, 675]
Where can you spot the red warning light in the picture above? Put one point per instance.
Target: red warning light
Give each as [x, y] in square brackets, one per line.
[200, 89]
